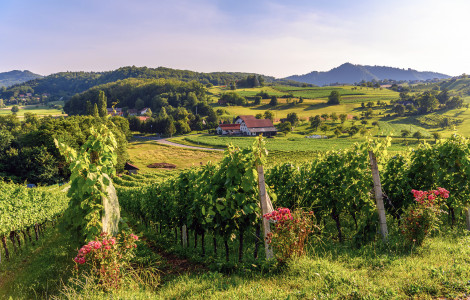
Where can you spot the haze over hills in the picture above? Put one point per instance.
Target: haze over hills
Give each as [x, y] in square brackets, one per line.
[16, 76]
[349, 73]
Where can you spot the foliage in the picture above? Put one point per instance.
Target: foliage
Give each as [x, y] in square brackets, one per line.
[422, 218]
[334, 98]
[291, 232]
[91, 170]
[28, 149]
[107, 258]
[24, 207]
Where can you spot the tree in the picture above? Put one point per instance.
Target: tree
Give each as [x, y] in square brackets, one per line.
[139, 104]
[418, 135]
[324, 128]
[427, 102]
[102, 104]
[343, 118]
[364, 122]
[334, 98]
[269, 115]
[301, 99]
[293, 118]
[436, 136]
[370, 104]
[257, 100]
[95, 112]
[315, 122]
[353, 130]
[148, 113]
[369, 113]
[334, 117]
[363, 131]
[405, 133]
[338, 132]
[273, 101]
[285, 127]
[324, 117]
[399, 109]
[15, 109]
[89, 108]
[259, 116]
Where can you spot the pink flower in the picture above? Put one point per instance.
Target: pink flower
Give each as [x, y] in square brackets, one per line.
[134, 237]
[107, 247]
[97, 245]
[112, 241]
[81, 260]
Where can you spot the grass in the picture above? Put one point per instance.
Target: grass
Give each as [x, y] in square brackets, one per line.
[145, 152]
[41, 110]
[38, 271]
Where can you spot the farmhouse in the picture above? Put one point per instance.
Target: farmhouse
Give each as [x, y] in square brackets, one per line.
[229, 129]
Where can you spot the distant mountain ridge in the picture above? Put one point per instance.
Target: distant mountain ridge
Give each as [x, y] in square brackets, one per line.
[16, 76]
[348, 73]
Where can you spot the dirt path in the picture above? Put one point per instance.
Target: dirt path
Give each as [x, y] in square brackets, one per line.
[164, 141]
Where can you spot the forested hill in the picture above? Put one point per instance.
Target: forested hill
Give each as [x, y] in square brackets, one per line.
[349, 73]
[67, 84]
[16, 77]
[139, 93]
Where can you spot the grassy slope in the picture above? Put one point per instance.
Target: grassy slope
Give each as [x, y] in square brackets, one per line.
[315, 104]
[145, 152]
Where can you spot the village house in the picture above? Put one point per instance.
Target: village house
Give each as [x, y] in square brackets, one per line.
[117, 111]
[229, 129]
[137, 112]
[248, 125]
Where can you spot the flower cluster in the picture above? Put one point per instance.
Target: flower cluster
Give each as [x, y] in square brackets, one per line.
[423, 217]
[279, 215]
[290, 233]
[429, 198]
[107, 257]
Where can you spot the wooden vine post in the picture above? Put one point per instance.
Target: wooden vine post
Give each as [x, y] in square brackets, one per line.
[378, 196]
[266, 205]
[264, 210]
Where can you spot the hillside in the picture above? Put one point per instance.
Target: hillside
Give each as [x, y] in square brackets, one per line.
[67, 84]
[16, 77]
[349, 73]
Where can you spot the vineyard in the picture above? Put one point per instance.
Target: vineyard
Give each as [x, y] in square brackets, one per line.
[25, 210]
[211, 215]
[221, 201]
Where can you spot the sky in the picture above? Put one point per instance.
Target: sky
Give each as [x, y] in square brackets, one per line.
[270, 37]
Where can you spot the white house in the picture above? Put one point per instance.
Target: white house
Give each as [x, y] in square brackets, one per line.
[249, 125]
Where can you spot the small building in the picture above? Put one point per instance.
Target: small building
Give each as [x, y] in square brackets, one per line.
[230, 129]
[132, 112]
[117, 111]
[131, 168]
[251, 126]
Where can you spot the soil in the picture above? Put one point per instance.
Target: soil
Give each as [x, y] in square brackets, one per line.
[162, 165]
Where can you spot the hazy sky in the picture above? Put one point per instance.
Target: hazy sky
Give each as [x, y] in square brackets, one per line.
[271, 37]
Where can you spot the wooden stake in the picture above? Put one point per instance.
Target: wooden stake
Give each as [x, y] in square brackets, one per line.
[185, 236]
[266, 208]
[378, 196]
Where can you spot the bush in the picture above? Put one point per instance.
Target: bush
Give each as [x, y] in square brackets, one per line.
[423, 217]
[291, 232]
[107, 258]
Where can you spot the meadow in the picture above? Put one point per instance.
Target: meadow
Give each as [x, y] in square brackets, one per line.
[40, 110]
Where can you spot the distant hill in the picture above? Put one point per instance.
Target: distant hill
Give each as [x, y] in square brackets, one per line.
[14, 77]
[67, 84]
[348, 73]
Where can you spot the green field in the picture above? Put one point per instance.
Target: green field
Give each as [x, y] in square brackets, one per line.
[41, 110]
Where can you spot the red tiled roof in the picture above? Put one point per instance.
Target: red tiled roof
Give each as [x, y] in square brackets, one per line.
[142, 118]
[252, 122]
[229, 126]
